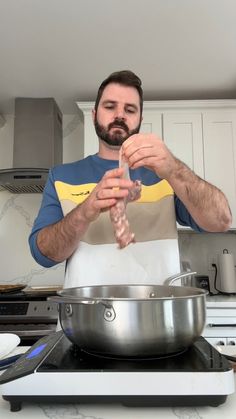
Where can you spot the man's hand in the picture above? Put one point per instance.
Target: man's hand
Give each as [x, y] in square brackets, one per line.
[150, 151]
[111, 187]
[59, 241]
[206, 203]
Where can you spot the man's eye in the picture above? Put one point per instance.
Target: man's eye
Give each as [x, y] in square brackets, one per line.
[130, 110]
[109, 106]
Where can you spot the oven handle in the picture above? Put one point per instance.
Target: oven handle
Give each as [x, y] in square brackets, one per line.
[221, 324]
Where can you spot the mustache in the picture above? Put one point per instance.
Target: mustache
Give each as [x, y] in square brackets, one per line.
[118, 123]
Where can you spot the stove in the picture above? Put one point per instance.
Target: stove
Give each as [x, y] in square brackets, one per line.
[55, 370]
[29, 315]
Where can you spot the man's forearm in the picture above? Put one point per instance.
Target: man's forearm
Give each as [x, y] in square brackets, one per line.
[205, 202]
[59, 241]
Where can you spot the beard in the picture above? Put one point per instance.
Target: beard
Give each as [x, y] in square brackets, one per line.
[119, 134]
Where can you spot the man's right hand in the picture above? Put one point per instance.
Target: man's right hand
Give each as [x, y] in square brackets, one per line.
[110, 188]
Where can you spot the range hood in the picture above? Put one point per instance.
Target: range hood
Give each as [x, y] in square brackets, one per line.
[37, 145]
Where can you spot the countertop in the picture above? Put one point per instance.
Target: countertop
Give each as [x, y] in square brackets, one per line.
[111, 411]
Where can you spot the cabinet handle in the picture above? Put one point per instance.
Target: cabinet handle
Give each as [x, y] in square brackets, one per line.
[232, 343]
[221, 324]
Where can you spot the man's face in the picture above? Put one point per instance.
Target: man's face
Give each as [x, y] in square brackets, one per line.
[118, 114]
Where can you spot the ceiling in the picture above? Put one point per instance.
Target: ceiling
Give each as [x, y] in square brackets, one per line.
[181, 49]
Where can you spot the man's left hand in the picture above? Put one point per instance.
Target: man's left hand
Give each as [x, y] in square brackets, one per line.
[150, 151]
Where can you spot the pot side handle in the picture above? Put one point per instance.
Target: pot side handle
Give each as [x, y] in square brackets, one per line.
[79, 300]
[173, 278]
[71, 300]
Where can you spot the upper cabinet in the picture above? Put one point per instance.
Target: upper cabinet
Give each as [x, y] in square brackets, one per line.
[182, 133]
[152, 119]
[219, 129]
[200, 133]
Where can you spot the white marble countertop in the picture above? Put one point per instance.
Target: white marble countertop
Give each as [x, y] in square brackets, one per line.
[111, 411]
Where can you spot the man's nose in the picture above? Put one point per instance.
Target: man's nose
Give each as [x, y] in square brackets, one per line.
[119, 113]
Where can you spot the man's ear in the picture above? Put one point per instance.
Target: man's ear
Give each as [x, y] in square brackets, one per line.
[93, 114]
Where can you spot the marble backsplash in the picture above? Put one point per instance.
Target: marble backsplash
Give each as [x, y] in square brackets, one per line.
[18, 211]
[17, 214]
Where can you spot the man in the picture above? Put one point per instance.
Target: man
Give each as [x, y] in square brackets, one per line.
[73, 223]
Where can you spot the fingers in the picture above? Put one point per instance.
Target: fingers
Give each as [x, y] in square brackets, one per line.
[111, 188]
[114, 173]
[138, 141]
[114, 193]
[115, 179]
[141, 149]
[142, 157]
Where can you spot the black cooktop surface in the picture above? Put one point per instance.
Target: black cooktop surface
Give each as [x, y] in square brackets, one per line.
[199, 357]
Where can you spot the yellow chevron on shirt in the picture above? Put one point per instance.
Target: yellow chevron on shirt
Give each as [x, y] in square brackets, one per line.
[156, 192]
[78, 193]
[74, 193]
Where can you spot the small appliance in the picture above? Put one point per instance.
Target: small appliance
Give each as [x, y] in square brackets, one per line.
[55, 370]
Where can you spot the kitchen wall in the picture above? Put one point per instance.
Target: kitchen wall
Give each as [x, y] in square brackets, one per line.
[17, 213]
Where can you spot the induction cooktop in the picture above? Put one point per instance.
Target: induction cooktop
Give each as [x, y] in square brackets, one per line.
[55, 370]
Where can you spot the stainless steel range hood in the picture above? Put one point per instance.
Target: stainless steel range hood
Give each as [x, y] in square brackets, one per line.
[37, 145]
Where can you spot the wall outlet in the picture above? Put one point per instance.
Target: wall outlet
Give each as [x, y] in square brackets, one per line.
[212, 260]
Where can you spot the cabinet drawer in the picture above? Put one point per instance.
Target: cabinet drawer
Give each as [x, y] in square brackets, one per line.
[220, 327]
[218, 341]
[221, 312]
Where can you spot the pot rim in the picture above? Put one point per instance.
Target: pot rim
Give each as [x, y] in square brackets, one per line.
[194, 292]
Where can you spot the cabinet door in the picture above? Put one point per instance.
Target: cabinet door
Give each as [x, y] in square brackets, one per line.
[182, 133]
[152, 122]
[90, 136]
[219, 130]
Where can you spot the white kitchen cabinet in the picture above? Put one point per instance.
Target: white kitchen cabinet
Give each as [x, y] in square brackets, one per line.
[182, 133]
[200, 133]
[152, 120]
[206, 142]
[90, 137]
[219, 130]
[203, 135]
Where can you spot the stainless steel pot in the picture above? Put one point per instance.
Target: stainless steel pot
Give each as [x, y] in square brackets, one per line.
[132, 320]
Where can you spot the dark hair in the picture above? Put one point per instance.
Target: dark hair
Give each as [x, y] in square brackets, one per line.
[124, 77]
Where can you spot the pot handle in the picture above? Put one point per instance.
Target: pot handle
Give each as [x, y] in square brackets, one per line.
[78, 300]
[173, 278]
[71, 300]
